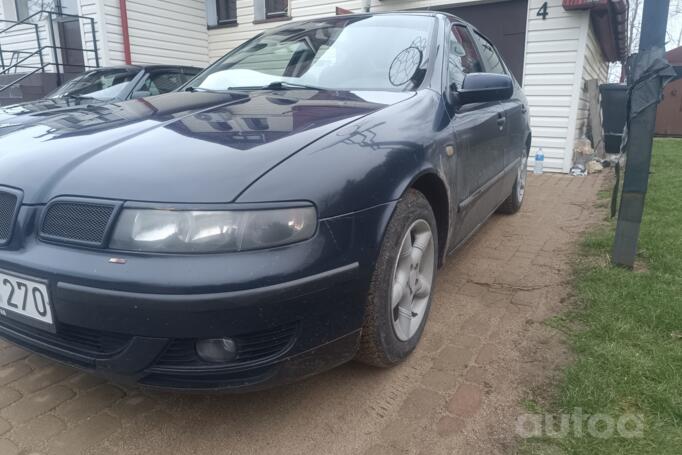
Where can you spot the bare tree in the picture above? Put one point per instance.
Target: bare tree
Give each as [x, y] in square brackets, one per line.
[616, 69]
[634, 25]
[676, 19]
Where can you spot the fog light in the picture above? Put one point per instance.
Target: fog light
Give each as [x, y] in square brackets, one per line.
[217, 350]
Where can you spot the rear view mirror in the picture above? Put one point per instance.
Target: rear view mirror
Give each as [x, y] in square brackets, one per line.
[485, 87]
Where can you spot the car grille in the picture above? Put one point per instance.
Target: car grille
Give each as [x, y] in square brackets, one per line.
[252, 348]
[77, 222]
[8, 207]
[85, 342]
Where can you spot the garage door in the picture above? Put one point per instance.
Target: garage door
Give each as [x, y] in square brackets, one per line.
[504, 23]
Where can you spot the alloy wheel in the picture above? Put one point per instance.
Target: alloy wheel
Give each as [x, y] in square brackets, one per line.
[412, 280]
[521, 178]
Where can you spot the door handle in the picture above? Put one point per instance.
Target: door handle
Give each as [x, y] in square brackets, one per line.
[501, 120]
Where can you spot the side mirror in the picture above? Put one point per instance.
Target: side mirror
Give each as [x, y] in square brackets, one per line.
[485, 87]
[141, 94]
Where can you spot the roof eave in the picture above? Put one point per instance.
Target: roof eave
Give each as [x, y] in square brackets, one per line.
[609, 21]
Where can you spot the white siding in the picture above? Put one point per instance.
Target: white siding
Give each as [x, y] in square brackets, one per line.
[595, 67]
[555, 49]
[172, 31]
[22, 38]
[110, 18]
[90, 8]
[4, 5]
[168, 31]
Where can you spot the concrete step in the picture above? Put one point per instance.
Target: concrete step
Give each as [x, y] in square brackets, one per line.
[6, 79]
[32, 88]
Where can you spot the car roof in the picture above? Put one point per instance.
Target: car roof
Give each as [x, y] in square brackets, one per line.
[158, 65]
[428, 13]
[139, 67]
[419, 12]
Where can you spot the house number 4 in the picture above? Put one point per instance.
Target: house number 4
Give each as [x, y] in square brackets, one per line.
[542, 12]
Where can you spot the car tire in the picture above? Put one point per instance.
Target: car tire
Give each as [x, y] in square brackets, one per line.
[514, 202]
[394, 319]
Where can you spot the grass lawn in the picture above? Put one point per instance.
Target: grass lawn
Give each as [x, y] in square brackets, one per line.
[627, 330]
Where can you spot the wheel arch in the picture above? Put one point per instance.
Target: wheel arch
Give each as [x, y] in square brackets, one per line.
[529, 140]
[434, 188]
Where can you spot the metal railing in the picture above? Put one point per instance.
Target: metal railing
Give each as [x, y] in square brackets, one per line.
[21, 59]
[16, 24]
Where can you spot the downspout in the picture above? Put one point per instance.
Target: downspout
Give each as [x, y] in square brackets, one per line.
[124, 30]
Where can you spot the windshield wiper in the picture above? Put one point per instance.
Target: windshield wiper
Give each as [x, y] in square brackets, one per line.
[284, 85]
[208, 90]
[78, 97]
[197, 89]
[281, 85]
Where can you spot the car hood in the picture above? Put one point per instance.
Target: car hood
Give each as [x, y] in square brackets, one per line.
[180, 147]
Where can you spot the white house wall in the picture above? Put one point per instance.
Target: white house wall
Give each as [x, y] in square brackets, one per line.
[160, 31]
[168, 31]
[552, 79]
[594, 68]
[22, 38]
[4, 5]
[91, 8]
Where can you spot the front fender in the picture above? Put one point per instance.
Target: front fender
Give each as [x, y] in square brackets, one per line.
[364, 164]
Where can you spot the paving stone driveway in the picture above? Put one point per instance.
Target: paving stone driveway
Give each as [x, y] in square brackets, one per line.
[484, 347]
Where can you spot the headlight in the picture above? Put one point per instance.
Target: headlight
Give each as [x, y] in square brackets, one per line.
[175, 231]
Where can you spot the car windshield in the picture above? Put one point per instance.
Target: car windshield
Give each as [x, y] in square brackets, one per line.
[103, 85]
[383, 52]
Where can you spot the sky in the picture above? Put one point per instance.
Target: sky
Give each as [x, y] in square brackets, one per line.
[674, 28]
[673, 38]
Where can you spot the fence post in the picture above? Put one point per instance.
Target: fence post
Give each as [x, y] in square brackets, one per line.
[640, 137]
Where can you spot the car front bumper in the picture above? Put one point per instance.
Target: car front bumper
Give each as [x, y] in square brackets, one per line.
[293, 311]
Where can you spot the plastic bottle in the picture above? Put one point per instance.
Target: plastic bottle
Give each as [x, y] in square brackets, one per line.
[539, 162]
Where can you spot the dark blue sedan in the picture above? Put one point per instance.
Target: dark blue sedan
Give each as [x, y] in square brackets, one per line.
[285, 213]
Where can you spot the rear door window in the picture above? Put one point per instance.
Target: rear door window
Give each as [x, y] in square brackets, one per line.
[491, 58]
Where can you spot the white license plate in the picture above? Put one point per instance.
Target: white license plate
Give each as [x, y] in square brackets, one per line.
[25, 297]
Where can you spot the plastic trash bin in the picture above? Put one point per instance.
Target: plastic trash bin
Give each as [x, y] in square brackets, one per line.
[614, 115]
